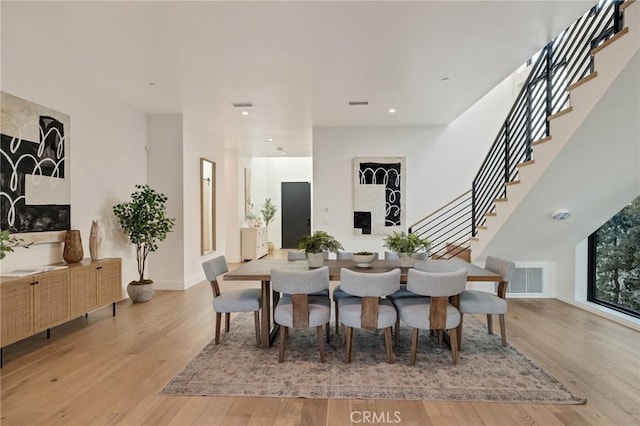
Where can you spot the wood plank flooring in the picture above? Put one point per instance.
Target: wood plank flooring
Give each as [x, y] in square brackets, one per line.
[103, 370]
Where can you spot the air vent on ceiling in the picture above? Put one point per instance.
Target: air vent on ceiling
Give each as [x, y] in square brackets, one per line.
[355, 103]
[242, 104]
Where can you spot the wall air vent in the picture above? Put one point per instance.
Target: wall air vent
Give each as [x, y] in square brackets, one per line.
[242, 104]
[527, 280]
[356, 103]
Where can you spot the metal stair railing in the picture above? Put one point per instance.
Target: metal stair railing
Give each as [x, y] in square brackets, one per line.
[564, 61]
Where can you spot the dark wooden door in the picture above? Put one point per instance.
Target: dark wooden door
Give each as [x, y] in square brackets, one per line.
[296, 212]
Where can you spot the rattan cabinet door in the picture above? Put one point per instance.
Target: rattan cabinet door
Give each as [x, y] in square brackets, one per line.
[50, 299]
[16, 308]
[83, 286]
[109, 281]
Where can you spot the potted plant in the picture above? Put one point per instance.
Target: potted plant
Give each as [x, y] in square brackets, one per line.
[268, 212]
[144, 220]
[406, 245]
[315, 246]
[8, 242]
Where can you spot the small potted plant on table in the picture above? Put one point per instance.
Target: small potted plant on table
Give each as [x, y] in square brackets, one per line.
[316, 245]
[406, 245]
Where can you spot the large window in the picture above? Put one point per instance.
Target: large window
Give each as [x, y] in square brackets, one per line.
[614, 262]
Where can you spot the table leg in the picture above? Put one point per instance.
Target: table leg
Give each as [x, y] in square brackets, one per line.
[265, 326]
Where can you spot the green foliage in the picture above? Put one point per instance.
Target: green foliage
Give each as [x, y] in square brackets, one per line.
[8, 242]
[318, 242]
[618, 258]
[144, 220]
[268, 211]
[401, 242]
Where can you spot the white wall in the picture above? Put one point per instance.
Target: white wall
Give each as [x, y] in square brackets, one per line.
[164, 174]
[267, 175]
[199, 141]
[107, 154]
[441, 163]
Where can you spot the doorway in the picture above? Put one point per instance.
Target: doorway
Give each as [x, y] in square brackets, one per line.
[296, 212]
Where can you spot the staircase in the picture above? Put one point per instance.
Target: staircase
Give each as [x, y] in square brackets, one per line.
[570, 141]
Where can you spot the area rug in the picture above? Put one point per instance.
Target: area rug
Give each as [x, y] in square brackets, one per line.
[486, 371]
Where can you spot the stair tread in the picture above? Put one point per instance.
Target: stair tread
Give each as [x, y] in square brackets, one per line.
[543, 140]
[513, 182]
[567, 110]
[619, 34]
[582, 81]
[527, 163]
[500, 200]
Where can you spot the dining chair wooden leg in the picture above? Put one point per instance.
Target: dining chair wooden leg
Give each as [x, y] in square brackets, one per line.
[218, 325]
[387, 341]
[454, 345]
[283, 337]
[459, 333]
[440, 337]
[396, 334]
[328, 326]
[227, 321]
[320, 343]
[490, 323]
[256, 320]
[503, 330]
[337, 318]
[348, 337]
[414, 346]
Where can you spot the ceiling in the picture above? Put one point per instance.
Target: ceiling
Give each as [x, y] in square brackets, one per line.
[299, 63]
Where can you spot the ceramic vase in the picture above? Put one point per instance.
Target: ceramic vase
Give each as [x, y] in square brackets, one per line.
[315, 260]
[96, 241]
[72, 252]
[407, 260]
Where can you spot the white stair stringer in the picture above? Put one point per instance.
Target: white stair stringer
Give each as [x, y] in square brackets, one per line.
[608, 103]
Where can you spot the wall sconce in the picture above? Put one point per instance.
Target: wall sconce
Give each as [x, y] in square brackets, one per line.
[560, 214]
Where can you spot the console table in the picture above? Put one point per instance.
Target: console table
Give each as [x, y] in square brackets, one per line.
[40, 301]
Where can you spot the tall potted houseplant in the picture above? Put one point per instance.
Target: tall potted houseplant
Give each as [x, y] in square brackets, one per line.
[144, 220]
[268, 212]
[406, 246]
[315, 246]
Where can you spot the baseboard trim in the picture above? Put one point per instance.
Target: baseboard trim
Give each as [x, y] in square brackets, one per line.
[605, 312]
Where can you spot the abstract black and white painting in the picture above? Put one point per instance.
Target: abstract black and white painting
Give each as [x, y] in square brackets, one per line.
[35, 191]
[378, 194]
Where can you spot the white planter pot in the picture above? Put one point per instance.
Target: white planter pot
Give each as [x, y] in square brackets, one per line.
[407, 260]
[315, 260]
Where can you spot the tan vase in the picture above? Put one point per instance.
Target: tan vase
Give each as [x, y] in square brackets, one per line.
[72, 252]
[96, 241]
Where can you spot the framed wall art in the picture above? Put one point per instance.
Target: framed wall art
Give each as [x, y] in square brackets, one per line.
[378, 194]
[35, 190]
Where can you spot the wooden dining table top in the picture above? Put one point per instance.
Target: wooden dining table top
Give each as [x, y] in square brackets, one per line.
[260, 269]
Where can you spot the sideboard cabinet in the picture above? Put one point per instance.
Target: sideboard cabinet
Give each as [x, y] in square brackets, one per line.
[255, 242]
[38, 302]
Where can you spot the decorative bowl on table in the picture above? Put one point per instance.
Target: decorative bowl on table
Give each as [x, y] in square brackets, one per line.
[363, 259]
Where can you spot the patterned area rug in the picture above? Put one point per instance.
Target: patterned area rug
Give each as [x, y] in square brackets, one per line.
[486, 371]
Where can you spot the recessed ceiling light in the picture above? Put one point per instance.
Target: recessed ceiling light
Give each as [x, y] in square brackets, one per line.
[392, 110]
[444, 79]
[245, 112]
[283, 153]
[268, 140]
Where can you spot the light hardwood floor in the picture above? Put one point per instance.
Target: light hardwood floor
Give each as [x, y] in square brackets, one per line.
[104, 370]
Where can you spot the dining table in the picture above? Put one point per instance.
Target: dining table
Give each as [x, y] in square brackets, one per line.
[260, 270]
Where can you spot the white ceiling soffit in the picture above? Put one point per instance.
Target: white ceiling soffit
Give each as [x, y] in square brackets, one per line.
[299, 63]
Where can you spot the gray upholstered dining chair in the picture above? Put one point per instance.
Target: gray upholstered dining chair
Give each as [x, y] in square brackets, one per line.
[432, 311]
[298, 308]
[296, 255]
[338, 293]
[483, 302]
[240, 300]
[369, 309]
[301, 255]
